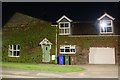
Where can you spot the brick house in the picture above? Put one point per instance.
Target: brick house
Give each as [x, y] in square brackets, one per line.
[88, 42]
[35, 40]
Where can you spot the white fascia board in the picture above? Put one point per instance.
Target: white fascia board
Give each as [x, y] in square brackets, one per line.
[44, 41]
[107, 16]
[54, 25]
[64, 17]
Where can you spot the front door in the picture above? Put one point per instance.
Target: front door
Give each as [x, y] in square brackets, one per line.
[46, 53]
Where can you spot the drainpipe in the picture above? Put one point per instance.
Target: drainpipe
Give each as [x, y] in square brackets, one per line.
[56, 46]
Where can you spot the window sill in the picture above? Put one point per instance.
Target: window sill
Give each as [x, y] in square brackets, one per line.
[13, 56]
[64, 34]
[66, 53]
[106, 32]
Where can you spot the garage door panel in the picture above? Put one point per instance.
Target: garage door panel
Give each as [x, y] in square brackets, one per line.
[103, 61]
[101, 55]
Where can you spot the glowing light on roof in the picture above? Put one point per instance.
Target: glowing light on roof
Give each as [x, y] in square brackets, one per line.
[103, 24]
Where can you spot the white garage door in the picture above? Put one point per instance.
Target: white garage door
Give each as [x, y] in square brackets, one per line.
[101, 55]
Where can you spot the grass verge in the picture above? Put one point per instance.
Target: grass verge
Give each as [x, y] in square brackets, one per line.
[43, 67]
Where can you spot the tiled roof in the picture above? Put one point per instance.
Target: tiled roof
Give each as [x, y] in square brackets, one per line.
[89, 28]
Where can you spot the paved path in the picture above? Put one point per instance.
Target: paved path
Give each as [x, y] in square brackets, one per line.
[92, 71]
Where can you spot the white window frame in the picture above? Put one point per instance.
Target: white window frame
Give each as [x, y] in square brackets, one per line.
[11, 49]
[106, 26]
[63, 28]
[70, 47]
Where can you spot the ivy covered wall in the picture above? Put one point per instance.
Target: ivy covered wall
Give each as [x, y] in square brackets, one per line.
[83, 45]
[27, 32]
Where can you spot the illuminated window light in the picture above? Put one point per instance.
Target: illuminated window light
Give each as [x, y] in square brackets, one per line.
[103, 25]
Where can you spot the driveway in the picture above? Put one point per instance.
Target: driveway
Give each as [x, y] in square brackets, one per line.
[92, 71]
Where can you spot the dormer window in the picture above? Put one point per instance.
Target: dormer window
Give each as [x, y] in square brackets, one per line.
[106, 24]
[64, 28]
[64, 24]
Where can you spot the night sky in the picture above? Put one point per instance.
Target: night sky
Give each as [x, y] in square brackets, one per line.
[77, 11]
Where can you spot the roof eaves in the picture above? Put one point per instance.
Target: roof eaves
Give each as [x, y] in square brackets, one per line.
[64, 17]
[105, 14]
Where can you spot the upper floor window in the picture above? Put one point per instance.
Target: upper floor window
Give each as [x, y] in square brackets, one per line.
[106, 26]
[64, 24]
[67, 49]
[64, 28]
[14, 51]
[106, 23]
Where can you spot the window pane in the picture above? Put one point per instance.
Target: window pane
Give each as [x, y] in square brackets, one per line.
[109, 23]
[104, 29]
[14, 53]
[61, 30]
[109, 29]
[67, 50]
[10, 53]
[10, 46]
[18, 46]
[72, 50]
[18, 53]
[66, 25]
[61, 24]
[61, 50]
[66, 30]
[14, 47]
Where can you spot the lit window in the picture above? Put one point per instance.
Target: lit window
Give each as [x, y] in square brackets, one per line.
[67, 49]
[106, 26]
[64, 28]
[14, 51]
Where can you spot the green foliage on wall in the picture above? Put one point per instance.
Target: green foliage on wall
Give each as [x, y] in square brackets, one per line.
[86, 42]
[28, 32]
[27, 35]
